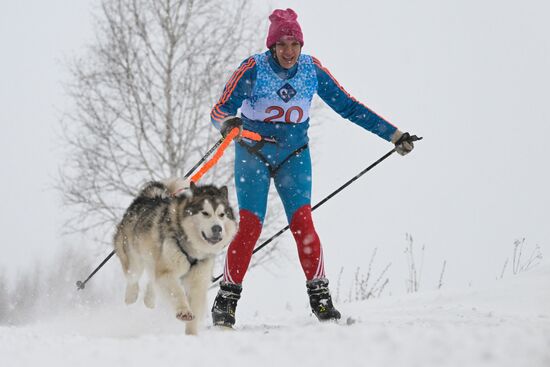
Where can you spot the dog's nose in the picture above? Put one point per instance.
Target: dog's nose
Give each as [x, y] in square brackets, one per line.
[216, 230]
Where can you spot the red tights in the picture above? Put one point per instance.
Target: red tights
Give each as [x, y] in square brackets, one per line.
[240, 250]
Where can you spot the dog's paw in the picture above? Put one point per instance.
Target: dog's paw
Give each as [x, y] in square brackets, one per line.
[191, 328]
[185, 315]
[149, 302]
[149, 299]
[132, 292]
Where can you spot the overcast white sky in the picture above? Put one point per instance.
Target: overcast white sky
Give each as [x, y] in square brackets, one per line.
[472, 77]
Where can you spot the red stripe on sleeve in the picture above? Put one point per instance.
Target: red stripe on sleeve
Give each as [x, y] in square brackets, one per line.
[235, 79]
[217, 113]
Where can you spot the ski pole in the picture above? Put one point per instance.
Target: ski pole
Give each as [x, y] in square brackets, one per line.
[327, 198]
[223, 142]
[81, 284]
[214, 147]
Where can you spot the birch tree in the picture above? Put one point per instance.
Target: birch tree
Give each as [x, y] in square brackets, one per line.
[142, 96]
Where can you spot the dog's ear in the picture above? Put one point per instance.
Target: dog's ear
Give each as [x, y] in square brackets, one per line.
[192, 186]
[224, 192]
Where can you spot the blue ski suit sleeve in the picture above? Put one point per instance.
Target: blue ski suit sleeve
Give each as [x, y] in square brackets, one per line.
[237, 89]
[348, 107]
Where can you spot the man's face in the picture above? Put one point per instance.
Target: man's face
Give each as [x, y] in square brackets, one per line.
[287, 50]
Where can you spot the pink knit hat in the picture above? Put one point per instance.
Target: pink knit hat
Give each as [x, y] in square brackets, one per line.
[283, 23]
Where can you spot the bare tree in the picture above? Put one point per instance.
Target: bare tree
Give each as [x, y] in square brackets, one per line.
[142, 98]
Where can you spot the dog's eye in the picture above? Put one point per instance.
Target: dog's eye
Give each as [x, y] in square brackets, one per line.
[222, 215]
[206, 214]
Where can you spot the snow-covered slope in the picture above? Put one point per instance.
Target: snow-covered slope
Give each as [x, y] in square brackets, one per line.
[503, 323]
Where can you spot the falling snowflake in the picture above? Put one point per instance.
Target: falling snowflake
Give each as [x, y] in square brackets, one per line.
[308, 240]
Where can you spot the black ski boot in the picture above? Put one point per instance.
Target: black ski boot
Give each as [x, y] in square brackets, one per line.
[225, 304]
[320, 300]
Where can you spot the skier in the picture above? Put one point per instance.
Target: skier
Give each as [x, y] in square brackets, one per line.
[274, 90]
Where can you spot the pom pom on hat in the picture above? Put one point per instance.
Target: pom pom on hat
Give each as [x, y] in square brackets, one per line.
[283, 23]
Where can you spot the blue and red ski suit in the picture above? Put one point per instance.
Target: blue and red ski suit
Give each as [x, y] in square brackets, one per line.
[274, 103]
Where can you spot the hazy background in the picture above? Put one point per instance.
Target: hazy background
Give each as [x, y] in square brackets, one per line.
[472, 77]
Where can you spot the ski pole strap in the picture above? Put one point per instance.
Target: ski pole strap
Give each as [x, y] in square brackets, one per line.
[251, 135]
[221, 149]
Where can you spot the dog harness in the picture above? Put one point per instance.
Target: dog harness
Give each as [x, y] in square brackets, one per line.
[178, 238]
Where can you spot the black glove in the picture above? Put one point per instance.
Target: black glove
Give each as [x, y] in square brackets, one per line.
[230, 124]
[403, 143]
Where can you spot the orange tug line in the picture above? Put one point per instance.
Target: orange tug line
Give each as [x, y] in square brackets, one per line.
[221, 149]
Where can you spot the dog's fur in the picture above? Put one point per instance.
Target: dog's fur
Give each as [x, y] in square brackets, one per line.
[174, 238]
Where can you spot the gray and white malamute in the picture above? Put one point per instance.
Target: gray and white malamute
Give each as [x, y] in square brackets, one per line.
[175, 239]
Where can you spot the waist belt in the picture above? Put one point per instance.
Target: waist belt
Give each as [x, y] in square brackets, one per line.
[255, 150]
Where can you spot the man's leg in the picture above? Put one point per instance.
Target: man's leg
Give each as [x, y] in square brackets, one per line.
[252, 180]
[293, 182]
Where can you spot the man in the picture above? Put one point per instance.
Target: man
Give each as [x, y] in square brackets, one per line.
[274, 91]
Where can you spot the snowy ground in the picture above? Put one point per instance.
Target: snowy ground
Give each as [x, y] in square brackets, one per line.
[503, 323]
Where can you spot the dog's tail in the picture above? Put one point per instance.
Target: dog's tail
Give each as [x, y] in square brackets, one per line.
[167, 188]
[153, 190]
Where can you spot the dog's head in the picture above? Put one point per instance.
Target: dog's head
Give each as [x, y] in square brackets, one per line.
[208, 218]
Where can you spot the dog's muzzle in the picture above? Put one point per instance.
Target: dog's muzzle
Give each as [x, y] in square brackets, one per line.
[216, 235]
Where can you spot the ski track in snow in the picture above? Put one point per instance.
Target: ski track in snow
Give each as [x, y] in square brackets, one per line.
[504, 323]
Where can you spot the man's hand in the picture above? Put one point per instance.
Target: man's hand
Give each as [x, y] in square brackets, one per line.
[229, 124]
